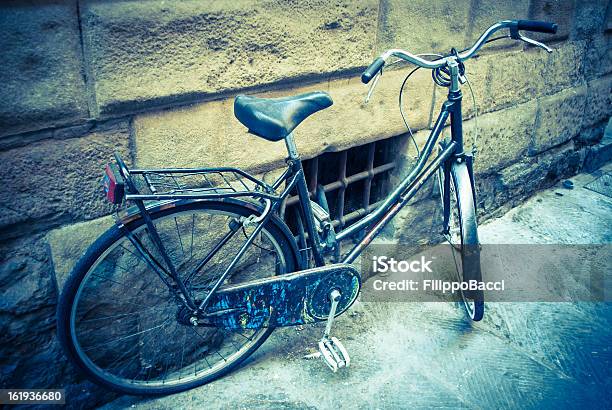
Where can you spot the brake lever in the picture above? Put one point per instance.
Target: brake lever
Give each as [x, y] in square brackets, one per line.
[372, 86]
[534, 43]
[516, 35]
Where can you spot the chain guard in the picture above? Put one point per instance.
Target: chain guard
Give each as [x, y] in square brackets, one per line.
[285, 300]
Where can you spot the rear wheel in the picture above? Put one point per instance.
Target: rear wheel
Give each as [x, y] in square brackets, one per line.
[461, 232]
[127, 330]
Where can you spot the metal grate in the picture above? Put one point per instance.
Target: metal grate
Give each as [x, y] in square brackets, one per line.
[355, 180]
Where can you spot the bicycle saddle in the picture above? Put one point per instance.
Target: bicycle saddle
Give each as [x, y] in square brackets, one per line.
[275, 118]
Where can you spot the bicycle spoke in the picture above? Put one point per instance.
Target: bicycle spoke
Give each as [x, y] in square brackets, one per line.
[122, 302]
[128, 336]
[114, 281]
[192, 233]
[199, 335]
[210, 254]
[121, 314]
[183, 347]
[179, 235]
[246, 337]
[202, 337]
[129, 251]
[135, 357]
[148, 257]
[224, 359]
[120, 358]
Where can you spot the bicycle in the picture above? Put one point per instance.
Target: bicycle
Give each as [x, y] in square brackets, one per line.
[183, 289]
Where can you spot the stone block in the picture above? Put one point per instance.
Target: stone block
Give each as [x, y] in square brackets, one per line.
[554, 11]
[30, 368]
[503, 137]
[599, 101]
[144, 54]
[41, 71]
[598, 57]
[590, 135]
[565, 67]
[208, 134]
[423, 26]
[70, 242]
[53, 182]
[33, 366]
[487, 192]
[505, 79]
[26, 282]
[28, 298]
[201, 135]
[589, 18]
[559, 118]
[486, 12]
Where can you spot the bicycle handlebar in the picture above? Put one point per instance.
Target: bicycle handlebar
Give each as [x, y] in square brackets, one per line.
[513, 25]
[372, 70]
[537, 26]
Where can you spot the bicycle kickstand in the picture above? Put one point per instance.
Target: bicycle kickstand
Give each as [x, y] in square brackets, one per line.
[332, 351]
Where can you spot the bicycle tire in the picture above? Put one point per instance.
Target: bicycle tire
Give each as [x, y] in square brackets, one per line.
[275, 227]
[467, 243]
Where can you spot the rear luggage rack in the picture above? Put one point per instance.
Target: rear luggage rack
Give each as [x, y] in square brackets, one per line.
[192, 183]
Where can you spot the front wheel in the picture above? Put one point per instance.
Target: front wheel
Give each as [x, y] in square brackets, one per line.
[127, 330]
[461, 231]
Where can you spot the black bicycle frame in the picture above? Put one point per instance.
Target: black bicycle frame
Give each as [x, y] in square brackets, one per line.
[294, 179]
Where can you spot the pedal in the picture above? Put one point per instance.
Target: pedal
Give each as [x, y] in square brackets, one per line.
[334, 353]
[332, 350]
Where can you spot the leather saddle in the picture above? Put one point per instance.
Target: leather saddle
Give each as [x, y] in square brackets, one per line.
[275, 118]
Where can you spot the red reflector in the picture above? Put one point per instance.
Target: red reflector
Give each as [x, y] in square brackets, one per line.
[113, 184]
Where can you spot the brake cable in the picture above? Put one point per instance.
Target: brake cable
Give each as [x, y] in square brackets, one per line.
[475, 139]
[490, 41]
[401, 99]
[401, 108]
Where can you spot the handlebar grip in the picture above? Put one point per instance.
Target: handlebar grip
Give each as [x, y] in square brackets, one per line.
[372, 70]
[538, 26]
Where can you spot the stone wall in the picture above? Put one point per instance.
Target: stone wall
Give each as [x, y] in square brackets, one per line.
[155, 81]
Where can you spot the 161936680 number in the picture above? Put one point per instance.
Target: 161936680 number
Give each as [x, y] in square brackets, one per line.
[32, 396]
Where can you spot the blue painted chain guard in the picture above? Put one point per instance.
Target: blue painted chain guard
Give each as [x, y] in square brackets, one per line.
[285, 300]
